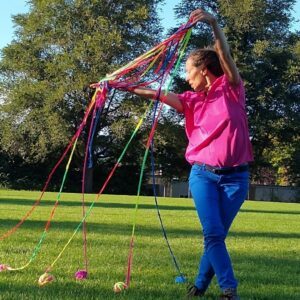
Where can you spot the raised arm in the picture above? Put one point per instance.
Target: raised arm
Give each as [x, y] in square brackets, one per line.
[170, 99]
[221, 45]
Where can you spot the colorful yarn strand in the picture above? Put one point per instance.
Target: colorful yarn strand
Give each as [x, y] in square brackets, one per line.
[164, 55]
[182, 48]
[48, 223]
[88, 212]
[43, 236]
[37, 202]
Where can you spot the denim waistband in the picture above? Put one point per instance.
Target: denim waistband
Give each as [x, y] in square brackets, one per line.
[224, 170]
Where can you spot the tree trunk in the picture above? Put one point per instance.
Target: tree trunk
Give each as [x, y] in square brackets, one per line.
[89, 176]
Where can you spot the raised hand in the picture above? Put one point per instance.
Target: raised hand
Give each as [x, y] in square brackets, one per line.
[200, 15]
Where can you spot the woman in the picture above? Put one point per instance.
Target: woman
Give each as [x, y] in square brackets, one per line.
[219, 150]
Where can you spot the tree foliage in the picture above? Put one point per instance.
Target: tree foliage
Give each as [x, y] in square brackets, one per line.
[60, 47]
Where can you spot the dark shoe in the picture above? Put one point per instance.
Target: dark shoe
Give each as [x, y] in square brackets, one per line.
[192, 291]
[230, 294]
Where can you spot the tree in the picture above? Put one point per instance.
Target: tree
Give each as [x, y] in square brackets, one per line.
[267, 55]
[60, 48]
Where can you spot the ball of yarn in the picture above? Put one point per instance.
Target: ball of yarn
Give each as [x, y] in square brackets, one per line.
[45, 279]
[180, 279]
[119, 287]
[4, 267]
[81, 275]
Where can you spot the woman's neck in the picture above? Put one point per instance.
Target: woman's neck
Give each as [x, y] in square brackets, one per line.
[210, 79]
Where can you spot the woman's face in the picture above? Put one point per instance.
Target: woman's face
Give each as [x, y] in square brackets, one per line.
[194, 76]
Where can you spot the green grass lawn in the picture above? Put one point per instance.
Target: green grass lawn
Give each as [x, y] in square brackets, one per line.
[263, 242]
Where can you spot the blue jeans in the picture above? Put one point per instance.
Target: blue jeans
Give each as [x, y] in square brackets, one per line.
[218, 199]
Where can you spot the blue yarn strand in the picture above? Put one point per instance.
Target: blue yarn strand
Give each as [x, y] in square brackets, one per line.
[176, 264]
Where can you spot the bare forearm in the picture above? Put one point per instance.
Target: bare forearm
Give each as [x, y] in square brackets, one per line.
[144, 92]
[221, 43]
[170, 98]
[223, 50]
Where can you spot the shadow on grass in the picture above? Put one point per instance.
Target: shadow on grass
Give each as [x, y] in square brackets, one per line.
[67, 203]
[144, 230]
[30, 202]
[260, 277]
[92, 290]
[266, 277]
[283, 212]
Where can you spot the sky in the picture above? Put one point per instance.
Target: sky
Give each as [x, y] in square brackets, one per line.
[12, 7]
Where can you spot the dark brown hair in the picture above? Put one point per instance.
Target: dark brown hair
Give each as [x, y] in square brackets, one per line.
[208, 58]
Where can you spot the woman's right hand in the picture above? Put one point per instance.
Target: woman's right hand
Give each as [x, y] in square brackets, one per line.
[200, 15]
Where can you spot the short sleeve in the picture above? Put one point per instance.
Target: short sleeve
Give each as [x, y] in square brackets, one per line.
[235, 92]
[188, 99]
